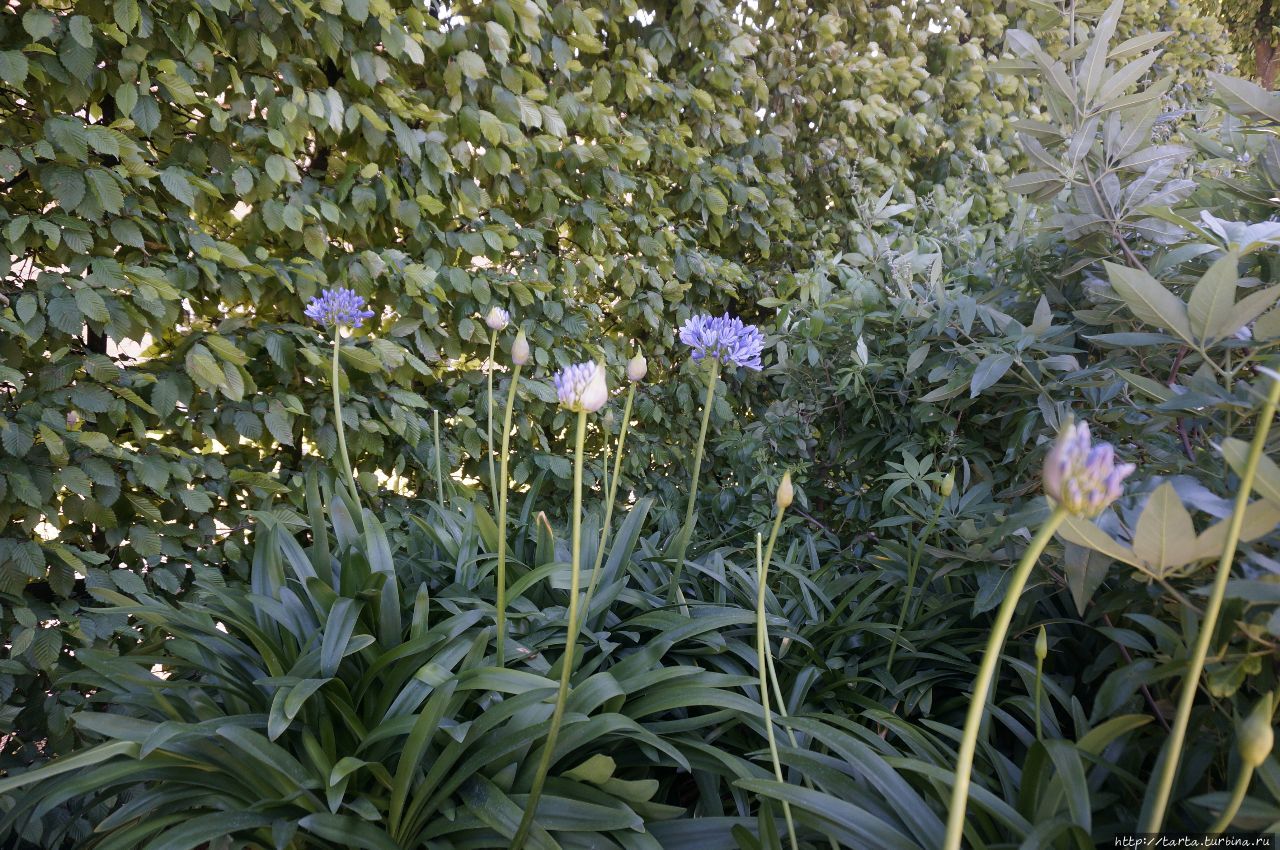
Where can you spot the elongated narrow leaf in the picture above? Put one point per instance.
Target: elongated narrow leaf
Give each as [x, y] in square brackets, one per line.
[1266, 479]
[1213, 299]
[347, 831]
[1122, 79]
[1149, 300]
[320, 557]
[415, 747]
[337, 634]
[988, 372]
[849, 824]
[199, 831]
[1249, 308]
[1093, 67]
[1260, 518]
[1071, 781]
[1096, 739]
[500, 813]
[378, 551]
[1246, 98]
[79, 761]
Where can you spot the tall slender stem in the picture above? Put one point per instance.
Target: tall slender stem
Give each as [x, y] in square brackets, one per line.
[493, 481]
[911, 582]
[343, 458]
[762, 654]
[570, 646]
[435, 430]
[986, 673]
[502, 516]
[791, 735]
[1237, 798]
[1191, 679]
[690, 514]
[1039, 694]
[608, 508]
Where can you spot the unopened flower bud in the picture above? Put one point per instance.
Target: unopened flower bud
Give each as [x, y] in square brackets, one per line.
[520, 350]
[948, 484]
[637, 368]
[73, 421]
[1256, 734]
[1080, 476]
[497, 318]
[1042, 644]
[786, 492]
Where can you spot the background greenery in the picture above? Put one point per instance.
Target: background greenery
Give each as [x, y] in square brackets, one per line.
[911, 200]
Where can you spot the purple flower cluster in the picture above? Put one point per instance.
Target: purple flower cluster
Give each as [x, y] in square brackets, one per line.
[582, 387]
[1082, 477]
[724, 338]
[338, 306]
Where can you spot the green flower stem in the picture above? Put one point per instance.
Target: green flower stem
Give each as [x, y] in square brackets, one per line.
[493, 481]
[791, 735]
[502, 516]
[1191, 680]
[344, 460]
[911, 582]
[1039, 694]
[570, 646]
[608, 507]
[762, 664]
[1237, 798]
[986, 674]
[435, 430]
[690, 514]
[773, 676]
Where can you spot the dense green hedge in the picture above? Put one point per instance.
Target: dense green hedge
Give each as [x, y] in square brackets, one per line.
[189, 174]
[183, 176]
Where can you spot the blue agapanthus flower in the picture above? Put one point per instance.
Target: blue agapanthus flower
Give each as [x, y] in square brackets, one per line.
[582, 387]
[338, 306]
[1082, 477]
[724, 338]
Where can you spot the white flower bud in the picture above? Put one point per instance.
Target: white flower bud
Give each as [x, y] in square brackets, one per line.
[1256, 735]
[596, 395]
[520, 350]
[637, 368]
[786, 492]
[497, 318]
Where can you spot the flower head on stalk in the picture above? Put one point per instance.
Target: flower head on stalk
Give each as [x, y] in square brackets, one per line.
[497, 318]
[520, 349]
[581, 387]
[1082, 477]
[637, 368]
[786, 492]
[338, 307]
[724, 338]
